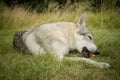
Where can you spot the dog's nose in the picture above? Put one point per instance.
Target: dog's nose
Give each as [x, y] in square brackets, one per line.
[97, 52]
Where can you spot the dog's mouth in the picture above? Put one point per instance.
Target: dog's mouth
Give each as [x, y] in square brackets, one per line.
[86, 53]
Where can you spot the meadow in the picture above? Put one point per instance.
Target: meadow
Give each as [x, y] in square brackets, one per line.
[15, 65]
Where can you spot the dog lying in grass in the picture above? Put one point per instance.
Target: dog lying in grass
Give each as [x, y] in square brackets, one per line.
[59, 38]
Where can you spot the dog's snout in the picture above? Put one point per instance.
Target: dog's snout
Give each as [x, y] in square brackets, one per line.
[97, 52]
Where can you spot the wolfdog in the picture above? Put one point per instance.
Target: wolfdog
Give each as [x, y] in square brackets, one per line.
[59, 38]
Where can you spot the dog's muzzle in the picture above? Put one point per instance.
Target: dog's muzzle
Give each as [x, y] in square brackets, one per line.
[88, 54]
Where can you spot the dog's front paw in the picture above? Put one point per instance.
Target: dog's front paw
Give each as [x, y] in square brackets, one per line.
[104, 65]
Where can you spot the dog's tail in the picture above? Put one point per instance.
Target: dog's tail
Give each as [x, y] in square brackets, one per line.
[94, 63]
[18, 41]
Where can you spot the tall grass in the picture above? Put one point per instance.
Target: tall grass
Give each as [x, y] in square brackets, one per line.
[16, 66]
[19, 17]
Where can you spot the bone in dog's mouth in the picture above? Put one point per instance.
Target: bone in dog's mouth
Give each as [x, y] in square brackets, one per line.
[86, 53]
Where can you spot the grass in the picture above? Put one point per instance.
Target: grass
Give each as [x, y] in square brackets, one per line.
[16, 66]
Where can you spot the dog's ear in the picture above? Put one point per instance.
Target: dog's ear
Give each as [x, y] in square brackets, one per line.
[82, 24]
[82, 20]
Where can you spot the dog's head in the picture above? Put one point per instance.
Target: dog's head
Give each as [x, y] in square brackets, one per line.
[84, 39]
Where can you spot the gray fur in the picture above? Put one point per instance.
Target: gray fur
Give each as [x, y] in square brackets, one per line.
[18, 42]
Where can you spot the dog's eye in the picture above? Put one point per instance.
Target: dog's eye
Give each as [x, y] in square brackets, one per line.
[90, 37]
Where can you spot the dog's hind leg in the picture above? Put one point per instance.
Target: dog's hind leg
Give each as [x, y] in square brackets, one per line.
[33, 46]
